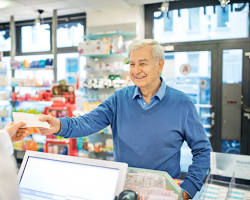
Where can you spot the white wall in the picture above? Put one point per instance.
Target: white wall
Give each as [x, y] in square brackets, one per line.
[110, 17]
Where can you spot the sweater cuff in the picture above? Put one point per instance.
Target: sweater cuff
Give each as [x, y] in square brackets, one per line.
[63, 129]
[189, 188]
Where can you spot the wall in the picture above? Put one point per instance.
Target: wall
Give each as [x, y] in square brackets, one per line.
[119, 16]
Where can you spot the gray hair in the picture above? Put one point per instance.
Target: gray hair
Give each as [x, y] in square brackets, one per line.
[157, 49]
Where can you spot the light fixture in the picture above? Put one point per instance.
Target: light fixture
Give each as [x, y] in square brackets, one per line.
[4, 4]
[223, 3]
[39, 18]
[164, 6]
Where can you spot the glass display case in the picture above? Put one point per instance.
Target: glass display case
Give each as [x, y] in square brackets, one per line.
[229, 177]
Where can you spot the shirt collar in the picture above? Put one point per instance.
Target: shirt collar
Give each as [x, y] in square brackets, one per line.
[160, 93]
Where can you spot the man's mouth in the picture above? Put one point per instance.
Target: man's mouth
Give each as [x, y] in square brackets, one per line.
[139, 77]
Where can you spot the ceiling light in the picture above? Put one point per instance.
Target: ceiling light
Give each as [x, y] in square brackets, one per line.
[4, 4]
[164, 7]
[223, 3]
[39, 18]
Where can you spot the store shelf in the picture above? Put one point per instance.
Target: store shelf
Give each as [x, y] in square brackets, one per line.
[207, 126]
[203, 105]
[95, 88]
[30, 68]
[126, 35]
[122, 55]
[59, 141]
[4, 102]
[31, 86]
[32, 101]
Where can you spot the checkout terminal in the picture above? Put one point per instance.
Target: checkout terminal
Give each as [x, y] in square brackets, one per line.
[52, 176]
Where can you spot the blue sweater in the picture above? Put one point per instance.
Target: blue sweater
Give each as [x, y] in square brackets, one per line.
[149, 138]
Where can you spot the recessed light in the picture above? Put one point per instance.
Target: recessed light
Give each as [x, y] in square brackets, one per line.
[4, 4]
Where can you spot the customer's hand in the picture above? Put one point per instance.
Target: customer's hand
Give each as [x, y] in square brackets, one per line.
[16, 132]
[55, 125]
[185, 196]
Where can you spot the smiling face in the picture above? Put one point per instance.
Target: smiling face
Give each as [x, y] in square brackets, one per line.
[144, 70]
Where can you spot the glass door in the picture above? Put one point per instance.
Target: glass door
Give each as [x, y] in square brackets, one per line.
[190, 71]
[235, 104]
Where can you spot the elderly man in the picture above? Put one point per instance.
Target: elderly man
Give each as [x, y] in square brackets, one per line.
[149, 121]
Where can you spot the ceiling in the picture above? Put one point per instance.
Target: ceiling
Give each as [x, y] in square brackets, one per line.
[27, 9]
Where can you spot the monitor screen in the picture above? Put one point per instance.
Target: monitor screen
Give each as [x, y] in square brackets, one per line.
[44, 178]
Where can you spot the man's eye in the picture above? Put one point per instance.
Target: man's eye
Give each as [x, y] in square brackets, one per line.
[132, 64]
[142, 64]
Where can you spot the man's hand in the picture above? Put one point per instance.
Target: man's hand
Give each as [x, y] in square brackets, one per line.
[185, 196]
[55, 125]
[16, 132]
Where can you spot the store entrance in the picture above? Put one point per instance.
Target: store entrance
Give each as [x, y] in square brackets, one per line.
[235, 101]
[190, 72]
[216, 77]
[189, 69]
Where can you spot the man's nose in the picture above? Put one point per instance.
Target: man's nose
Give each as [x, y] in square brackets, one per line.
[137, 69]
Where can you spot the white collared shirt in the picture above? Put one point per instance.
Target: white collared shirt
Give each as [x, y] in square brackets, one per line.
[8, 170]
[5, 141]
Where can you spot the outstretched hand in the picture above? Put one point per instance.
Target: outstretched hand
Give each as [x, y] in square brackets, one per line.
[55, 125]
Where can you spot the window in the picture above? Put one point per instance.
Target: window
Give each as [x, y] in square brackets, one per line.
[5, 40]
[35, 38]
[168, 21]
[194, 19]
[232, 66]
[193, 59]
[222, 17]
[69, 67]
[69, 34]
[202, 23]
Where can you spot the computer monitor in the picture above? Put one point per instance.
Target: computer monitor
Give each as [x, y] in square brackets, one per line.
[52, 176]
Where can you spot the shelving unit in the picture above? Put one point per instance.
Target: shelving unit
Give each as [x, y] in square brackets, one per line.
[128, 35]
[105, 72]
[28, 76]
[5, 106]
[108, 70]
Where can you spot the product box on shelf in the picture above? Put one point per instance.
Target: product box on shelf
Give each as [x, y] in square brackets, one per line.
[63, 97]
[35, 64]
[59, 109]
[59, 145]
[95, 47]
[4, 81]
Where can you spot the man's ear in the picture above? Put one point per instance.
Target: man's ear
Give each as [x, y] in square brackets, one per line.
[161, 65]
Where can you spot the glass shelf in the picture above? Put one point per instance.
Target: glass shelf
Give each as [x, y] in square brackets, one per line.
[30, 68]
[126, 35]
[28, 101]
[4, 102]
[30, 86]
[120, 55]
